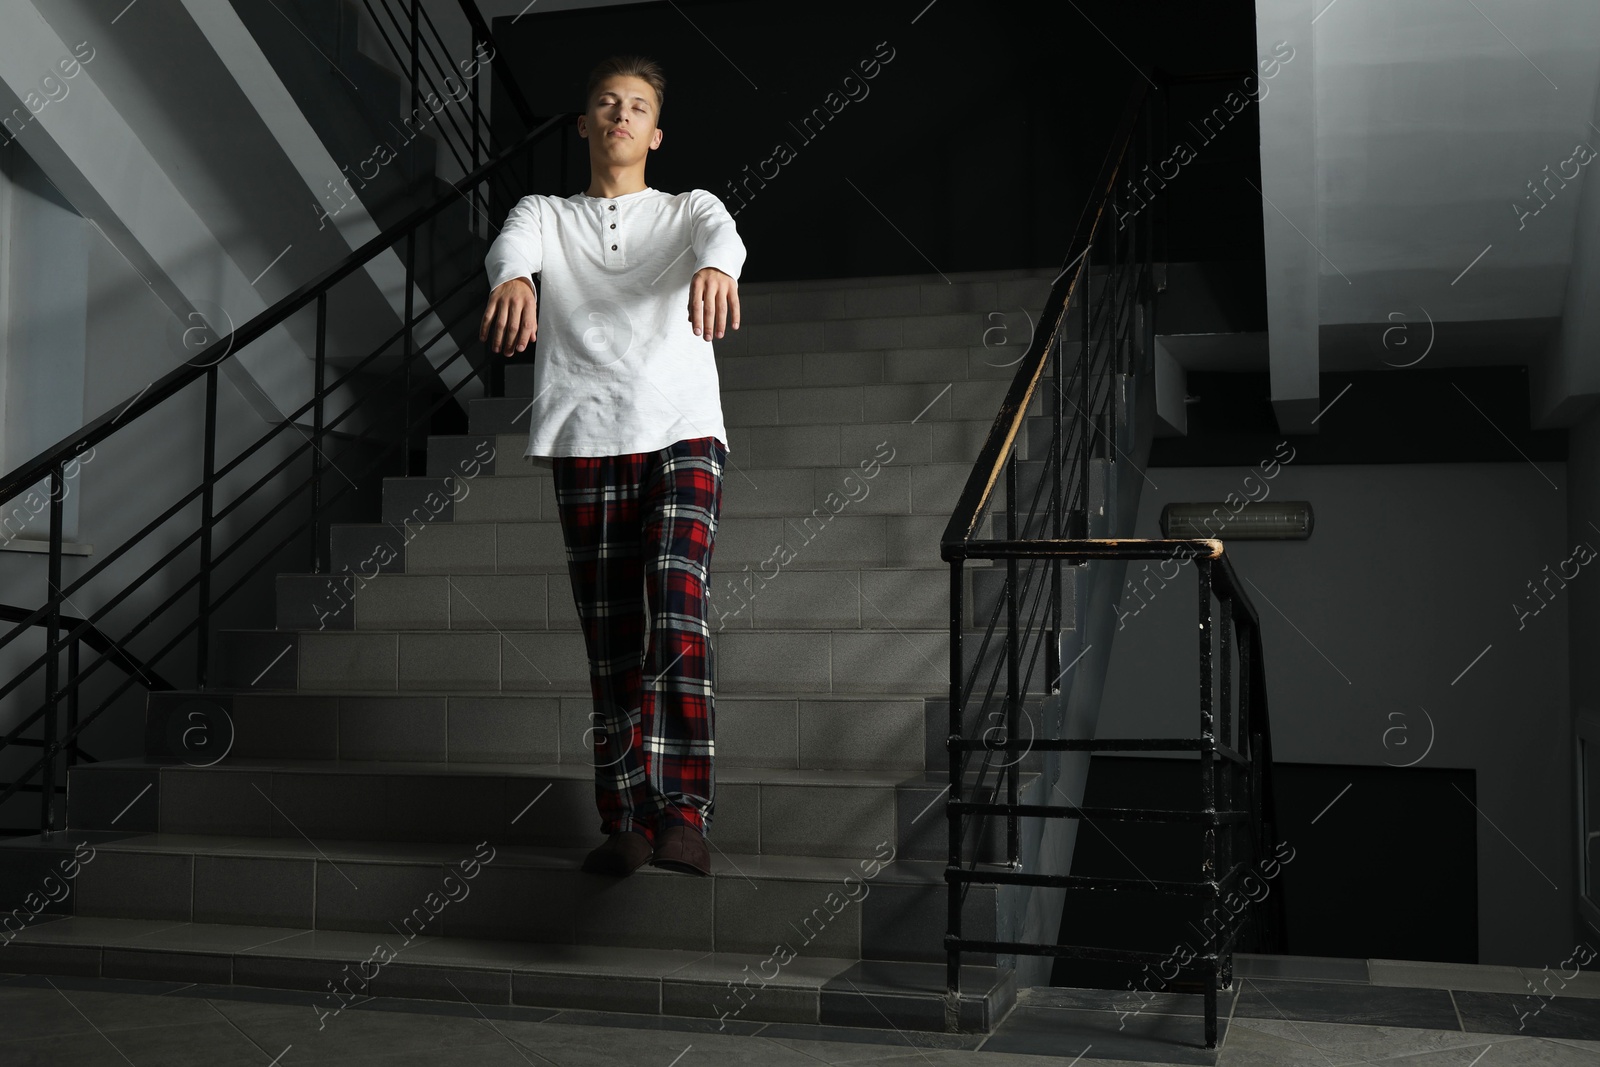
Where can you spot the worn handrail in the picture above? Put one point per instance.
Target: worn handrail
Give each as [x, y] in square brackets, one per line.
[1068, 475]
[1107, 280]
[1002, 438]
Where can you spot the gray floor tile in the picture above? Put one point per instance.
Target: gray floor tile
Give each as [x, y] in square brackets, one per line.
[1339, 1002]
[1345, 1044]
[60, 1010]
[213, 1043]
[1527, 1015]
[1068, 1032]
[580, 1045]
[320, 1035]
[1318, 968]
[1427, 975]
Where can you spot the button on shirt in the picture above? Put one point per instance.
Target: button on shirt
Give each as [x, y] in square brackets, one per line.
[619, 368]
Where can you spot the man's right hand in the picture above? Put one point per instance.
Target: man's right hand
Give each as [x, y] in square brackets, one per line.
[512, 318]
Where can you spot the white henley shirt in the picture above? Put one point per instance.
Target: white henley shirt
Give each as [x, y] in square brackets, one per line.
[619, 368]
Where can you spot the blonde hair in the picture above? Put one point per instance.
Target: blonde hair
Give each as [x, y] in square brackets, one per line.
[631, 67]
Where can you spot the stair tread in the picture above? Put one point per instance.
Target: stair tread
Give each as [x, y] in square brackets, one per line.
[887, 568]
[888, 628]
[892, 281]
[584, 771]
[735, 865]
[776, 471]
[553, 691]
[803, 971]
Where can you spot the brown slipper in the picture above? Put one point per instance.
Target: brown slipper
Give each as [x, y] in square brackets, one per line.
[682, 848]
[621, 854]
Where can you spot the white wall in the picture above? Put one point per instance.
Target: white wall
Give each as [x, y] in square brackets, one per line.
[1583, 612]
[1405, 142]
[1409, 574]
[44, 273]
[85, 333]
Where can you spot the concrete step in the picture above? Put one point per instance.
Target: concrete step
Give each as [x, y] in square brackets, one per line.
[812, 493]
[888, 443]
[868, 316]
[875, 444]
[774, 730]
[770, 811]
[890, 661]
[996, 358]
[993, 349]
[331, 970]
[866, 446]
[879, 489]
[957, 329]
[749, 598]
[828, 406]
[893, 444]
[874, 298]
[832, 540]
[445, 524]
[888, 908]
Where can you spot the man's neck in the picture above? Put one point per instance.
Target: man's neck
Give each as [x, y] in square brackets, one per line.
[621, 183]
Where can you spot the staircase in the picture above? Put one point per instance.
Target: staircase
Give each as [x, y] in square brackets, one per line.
[405, 759]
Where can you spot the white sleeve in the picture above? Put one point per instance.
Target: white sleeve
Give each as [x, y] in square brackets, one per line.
[715, 239]
[518, 250]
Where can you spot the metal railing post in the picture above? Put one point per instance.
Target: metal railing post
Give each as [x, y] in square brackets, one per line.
[411, 241]
[1248, 737]
[1226, 770]
[1208, 798]
[416, 65]
[1058, 513]
[52, 667]
[952, 816]
[73, 751]
[479, 142]
[1085, 416]
[318, 549]
[406, 350]
[208, 476]
[1013, 659]
[1114, 290]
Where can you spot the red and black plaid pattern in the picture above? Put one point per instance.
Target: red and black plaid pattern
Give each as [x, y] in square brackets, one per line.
[639, 530]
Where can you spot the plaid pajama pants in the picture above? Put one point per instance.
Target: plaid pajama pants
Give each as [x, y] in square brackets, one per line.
[639, 528]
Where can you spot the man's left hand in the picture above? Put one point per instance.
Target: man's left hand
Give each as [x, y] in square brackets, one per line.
[713, 295]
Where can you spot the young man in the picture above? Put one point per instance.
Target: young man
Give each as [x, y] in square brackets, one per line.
[628, 415]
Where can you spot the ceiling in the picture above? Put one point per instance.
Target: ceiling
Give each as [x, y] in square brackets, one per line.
[1398, 145]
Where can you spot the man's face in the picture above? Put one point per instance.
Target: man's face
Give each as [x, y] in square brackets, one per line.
[620, 124]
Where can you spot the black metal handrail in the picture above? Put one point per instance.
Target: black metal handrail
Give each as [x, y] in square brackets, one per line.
[68, 632]
[1101, 304]
[1085, 385]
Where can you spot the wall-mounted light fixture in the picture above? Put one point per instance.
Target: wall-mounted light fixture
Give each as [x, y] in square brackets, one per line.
[1249, 520]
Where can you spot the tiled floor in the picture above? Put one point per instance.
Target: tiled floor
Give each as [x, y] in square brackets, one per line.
[1283, 1012]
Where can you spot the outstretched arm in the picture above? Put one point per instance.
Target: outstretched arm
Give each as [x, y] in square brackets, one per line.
[719, 257]
[511, 319]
